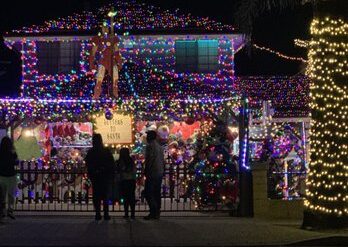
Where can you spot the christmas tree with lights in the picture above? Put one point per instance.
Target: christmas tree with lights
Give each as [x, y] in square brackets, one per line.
[214, 178]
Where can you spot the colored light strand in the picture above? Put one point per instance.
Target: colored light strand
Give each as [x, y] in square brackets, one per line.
[130, 16]
[145, 62]
[81, 110]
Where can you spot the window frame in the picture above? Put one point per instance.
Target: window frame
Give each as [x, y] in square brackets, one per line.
[188, 61]
[58, 57]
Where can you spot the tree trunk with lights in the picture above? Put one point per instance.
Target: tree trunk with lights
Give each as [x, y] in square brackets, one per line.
[327, 183]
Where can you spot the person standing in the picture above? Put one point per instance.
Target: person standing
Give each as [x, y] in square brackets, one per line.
[127, 170]
[101, 171]
[8, 177]
[154, 171]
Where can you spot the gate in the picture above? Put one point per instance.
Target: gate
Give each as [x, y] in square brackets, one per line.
[68, 189]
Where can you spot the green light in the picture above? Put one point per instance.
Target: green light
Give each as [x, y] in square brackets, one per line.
[112, 13]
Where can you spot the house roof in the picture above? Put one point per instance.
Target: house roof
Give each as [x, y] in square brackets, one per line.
[288, 95]
[132, 17]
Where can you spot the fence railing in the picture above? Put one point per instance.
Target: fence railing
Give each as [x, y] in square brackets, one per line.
[286, 185]
[67, 188]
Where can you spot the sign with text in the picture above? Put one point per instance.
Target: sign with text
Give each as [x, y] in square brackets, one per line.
[118, 130]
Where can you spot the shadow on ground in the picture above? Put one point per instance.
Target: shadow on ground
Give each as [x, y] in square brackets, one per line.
[329, 241]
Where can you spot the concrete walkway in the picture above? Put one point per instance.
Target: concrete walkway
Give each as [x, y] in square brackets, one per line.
[169, 231]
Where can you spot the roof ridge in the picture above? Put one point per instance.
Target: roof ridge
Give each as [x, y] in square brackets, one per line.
[131, 15]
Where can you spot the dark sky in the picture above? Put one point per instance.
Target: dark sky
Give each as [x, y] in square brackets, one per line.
[276, 30]
[19, 13]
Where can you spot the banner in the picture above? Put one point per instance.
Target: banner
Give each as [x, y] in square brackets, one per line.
[118, 130]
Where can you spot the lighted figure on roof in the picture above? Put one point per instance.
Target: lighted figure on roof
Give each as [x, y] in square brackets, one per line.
[109, 60]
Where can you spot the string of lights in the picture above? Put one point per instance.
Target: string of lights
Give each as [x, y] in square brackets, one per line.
[143, 108]
[328, 170]
[279, 54]
[145, 62]
[289, 96]
[150, 87]
[154, 76]
[301, 43]
[130, 15]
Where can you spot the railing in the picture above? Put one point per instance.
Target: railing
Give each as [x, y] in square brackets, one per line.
[286, 185]
[67, 188]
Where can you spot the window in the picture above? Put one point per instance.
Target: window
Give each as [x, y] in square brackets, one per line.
[186, 54]
[196, 56]
[58, 57]
[207, 56]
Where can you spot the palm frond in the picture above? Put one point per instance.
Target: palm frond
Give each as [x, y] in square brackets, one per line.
[279, 4]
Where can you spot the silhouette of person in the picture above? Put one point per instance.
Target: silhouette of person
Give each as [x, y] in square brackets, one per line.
[154, 171]
[127, 170]
[8, 179]
[101, 171]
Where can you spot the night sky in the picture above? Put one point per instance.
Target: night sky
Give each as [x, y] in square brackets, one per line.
[276, 30]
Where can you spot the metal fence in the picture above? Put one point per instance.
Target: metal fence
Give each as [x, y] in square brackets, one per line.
[67, 188]
[286, 185]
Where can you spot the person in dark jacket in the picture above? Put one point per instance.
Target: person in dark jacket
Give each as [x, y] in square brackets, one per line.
[154, 171]
[127, 170]
[8, 177]
[101, 171]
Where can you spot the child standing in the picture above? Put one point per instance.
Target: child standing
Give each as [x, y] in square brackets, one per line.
[127, 170]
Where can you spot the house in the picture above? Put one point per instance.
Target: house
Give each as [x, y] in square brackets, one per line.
[177, 70]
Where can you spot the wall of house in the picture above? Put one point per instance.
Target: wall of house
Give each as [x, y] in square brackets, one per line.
[152, 56]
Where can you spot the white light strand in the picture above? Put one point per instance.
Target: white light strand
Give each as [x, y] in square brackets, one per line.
[262, 48]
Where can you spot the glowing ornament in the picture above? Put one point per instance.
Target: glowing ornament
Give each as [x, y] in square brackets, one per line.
[108, 114]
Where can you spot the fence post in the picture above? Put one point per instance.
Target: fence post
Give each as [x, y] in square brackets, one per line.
[260, 198]
[245, 207]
